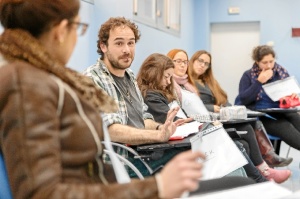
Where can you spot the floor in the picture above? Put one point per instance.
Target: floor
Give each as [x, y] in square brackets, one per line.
[293, 183]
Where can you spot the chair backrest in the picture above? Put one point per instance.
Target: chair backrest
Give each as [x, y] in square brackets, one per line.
[5, 192]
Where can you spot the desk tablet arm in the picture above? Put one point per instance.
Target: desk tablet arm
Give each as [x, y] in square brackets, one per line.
[232, 132]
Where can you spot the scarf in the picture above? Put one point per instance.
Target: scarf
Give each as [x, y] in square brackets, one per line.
[183, 81]
[277, 69]
[19, 45]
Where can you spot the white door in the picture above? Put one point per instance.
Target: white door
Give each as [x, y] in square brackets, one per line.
[231, 49]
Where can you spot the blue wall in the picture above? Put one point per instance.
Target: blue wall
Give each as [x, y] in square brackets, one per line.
[277, 17]
[152, 40]
[84, 49]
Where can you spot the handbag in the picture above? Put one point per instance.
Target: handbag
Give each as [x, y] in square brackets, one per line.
[288, 102]
[222, 154]
[233, 113]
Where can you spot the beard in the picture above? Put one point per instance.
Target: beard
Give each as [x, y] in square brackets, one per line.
[115, 63]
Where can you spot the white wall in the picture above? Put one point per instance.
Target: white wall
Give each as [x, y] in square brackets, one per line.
[277, 17]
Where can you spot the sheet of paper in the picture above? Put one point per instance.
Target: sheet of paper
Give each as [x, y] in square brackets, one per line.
[180, 113]
[186, 129]
[282, 88]
[212, 144]
[266, 190]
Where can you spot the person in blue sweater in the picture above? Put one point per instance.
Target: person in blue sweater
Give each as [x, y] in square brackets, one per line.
[251, 94]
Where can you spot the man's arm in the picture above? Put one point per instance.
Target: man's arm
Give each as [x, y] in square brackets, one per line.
[151, 124]
[133, 136]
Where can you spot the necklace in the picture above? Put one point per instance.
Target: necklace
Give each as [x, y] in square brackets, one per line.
[123, 86]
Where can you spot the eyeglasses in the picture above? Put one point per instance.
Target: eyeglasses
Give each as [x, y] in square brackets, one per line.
[81, 27]
[201, 61]
[179, 61]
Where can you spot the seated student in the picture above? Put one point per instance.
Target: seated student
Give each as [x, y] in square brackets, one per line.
[155, 81]
[55, 150]
[213, 97]
[278, 175]
[131, 123]
[251, 94]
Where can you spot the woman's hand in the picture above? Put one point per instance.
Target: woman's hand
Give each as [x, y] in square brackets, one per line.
[265, 75]
[181, 174]
[180, 122]
[217, 108]
[294, 96]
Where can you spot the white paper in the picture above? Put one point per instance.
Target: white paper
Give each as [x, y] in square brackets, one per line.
[187, 129]
[180, 113]
[192, 104]
[266, 190]
[282, 88]
[212, 144]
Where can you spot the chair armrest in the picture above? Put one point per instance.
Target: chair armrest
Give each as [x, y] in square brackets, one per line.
[136, 155]
[127, 162]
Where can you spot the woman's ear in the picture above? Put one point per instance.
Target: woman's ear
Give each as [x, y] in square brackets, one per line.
[61, 30]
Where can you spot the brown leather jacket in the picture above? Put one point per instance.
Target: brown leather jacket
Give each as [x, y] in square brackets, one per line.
[50, 153]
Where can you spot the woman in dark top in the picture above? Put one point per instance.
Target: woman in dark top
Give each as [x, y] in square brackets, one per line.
[213, 96]
[155, 82]
[251, 94]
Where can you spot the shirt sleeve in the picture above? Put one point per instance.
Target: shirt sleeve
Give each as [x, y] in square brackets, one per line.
[248, 89]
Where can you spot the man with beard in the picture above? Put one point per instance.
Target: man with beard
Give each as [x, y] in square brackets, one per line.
[131, 124]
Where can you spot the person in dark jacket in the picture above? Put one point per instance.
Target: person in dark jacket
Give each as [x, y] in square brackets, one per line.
[251, 94]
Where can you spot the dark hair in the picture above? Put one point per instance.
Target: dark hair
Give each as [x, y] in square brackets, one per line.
[111, 24]
[151, 74]
[36, 16]
[259, 52]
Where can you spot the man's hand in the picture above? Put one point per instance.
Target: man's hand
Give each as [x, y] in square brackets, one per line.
[181, 174]
[169, 127]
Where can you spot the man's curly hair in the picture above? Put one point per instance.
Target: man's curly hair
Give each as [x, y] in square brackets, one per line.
[111, 24]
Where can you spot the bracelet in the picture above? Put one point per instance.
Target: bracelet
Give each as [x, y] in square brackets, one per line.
[157, 127]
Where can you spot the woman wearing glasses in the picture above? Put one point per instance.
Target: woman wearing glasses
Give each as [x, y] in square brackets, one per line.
[183, 72]
[54, 150]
